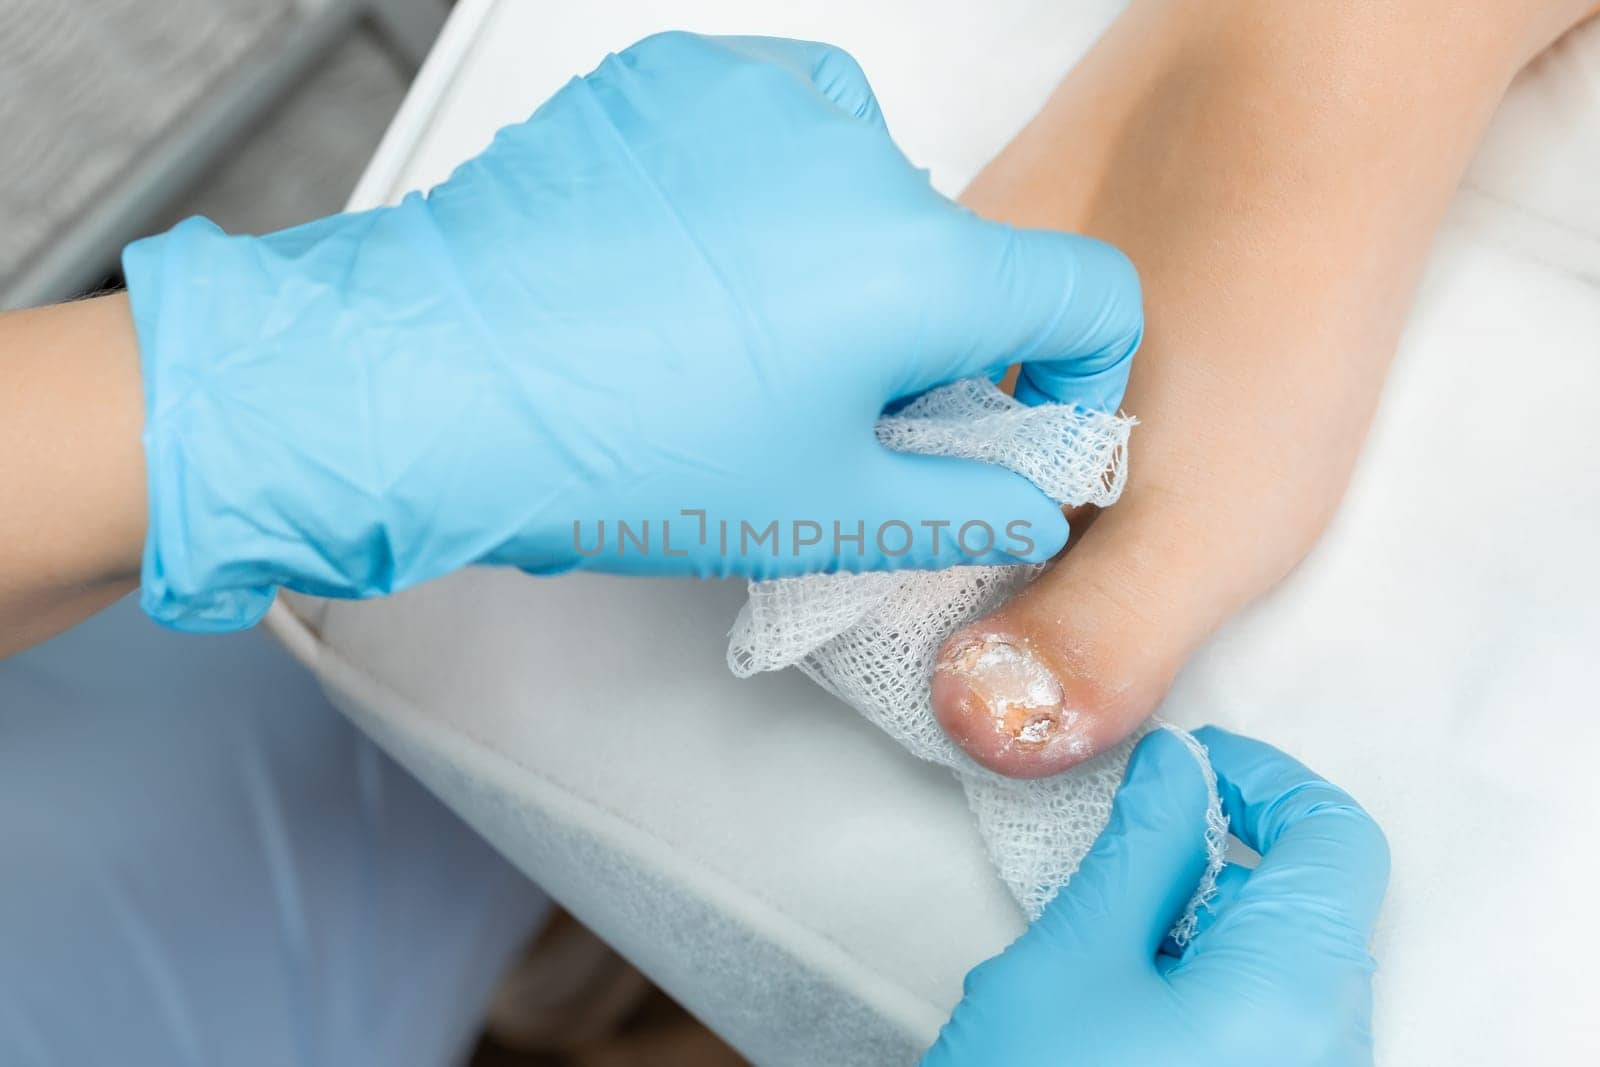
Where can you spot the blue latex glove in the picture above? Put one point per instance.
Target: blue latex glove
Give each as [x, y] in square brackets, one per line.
[690, 282]
[1279, 973]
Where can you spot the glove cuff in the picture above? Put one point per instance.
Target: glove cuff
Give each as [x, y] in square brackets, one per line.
[179, 286]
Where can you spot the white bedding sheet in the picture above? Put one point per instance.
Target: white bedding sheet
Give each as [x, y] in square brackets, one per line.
[816, 895]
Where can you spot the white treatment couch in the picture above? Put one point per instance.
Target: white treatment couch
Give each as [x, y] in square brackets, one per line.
[814, 894]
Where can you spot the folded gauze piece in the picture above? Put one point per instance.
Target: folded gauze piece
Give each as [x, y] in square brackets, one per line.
[871, 639]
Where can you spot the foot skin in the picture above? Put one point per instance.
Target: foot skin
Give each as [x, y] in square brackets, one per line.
[1278, 190]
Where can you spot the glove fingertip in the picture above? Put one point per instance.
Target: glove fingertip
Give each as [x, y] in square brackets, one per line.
[1159, 753]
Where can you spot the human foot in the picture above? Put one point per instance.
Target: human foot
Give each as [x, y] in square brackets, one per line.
[1278, 187]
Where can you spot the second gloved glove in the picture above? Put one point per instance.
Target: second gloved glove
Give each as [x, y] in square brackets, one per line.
[1278, 975]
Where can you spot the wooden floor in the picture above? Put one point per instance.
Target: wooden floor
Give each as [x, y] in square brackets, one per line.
[570, 1001]
[659, 1034]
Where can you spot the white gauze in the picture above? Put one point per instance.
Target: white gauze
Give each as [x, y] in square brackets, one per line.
[871, 639]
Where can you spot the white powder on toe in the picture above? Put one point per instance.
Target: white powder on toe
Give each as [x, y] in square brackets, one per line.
[1015, 678]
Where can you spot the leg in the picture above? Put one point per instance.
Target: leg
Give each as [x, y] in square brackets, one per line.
[205, 863]
[1277, 173]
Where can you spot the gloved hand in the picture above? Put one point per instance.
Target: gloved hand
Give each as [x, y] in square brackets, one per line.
[1279, 973]
[683, 290]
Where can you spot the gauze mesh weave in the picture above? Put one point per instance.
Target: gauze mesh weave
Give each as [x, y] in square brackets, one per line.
[871, 639]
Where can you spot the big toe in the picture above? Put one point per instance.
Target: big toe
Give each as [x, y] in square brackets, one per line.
[1079, 659]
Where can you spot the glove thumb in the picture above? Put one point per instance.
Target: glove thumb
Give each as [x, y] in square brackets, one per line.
[1143, 869]
[930, 512]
